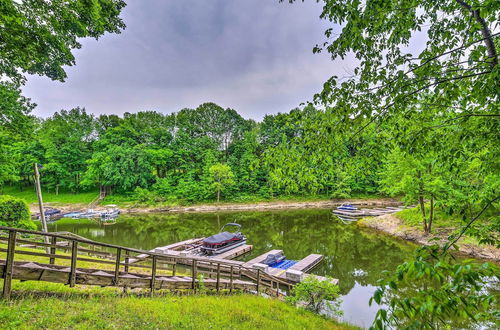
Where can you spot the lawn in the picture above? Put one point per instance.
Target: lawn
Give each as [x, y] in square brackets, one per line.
[50, 197]
[113, 310]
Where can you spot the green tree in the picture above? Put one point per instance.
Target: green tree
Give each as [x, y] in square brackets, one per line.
[316, 295]
[67, 138]
[221, 177]
[38, 36]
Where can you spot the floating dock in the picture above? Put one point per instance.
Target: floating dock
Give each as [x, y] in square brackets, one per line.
[295, 273]
[190, 248]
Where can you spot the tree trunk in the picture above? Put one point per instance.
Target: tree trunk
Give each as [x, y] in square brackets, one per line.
[218, 195]
[421, 200]
[485, 31]
[431, 214]
[422, 209]
[57, 189]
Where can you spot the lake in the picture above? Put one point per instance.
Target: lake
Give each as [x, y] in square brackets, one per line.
[353, 254]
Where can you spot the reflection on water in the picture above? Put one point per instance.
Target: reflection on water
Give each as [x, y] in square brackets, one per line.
[354, 255]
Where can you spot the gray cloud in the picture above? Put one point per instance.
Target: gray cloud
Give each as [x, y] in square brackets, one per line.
[254, 56]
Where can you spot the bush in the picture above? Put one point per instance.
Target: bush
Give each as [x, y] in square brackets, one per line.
[14, 212]
[144, 196]
[316, 296]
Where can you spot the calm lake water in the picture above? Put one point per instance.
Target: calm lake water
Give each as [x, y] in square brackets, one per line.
[356, 256]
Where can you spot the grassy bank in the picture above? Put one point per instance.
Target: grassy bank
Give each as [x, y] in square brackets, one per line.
[29, 195]
[407, 224]
[51, 306]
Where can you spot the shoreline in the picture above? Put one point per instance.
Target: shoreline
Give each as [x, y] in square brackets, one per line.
[394, 226]
[213, 207]
[262, 206]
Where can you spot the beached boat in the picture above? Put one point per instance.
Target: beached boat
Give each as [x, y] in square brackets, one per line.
[347, 207]
[111, 212]
[50, 214]
[223, 241]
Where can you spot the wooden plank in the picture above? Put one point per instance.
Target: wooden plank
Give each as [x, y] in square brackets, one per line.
[236, 252]
[260, 258]
[307, 263]
[11, 249]
[166, 249]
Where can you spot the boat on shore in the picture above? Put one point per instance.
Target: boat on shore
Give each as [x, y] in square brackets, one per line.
[50, 213]
[347, 207]
[223, 241]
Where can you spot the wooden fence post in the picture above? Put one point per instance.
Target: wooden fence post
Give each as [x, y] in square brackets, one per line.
[9, 262]
[74, 254]
[231, 280]
[217, 286]
[174, 267]
[258, 280]
[153, 275]
[193, 274]
[117, 266]
[52, 250]
[127, 260]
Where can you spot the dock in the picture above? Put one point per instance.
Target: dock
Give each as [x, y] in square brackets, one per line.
[295, 274]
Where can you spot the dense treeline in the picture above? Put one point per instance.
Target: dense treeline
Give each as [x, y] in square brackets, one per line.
[196, 154]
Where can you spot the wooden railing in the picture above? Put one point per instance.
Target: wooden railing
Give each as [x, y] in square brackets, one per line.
[118, 257]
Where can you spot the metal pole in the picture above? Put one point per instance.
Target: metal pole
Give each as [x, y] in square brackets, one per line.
[40, 205]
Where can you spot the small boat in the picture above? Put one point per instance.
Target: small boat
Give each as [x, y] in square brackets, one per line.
[347, 207]
[223, 241]
[89, 214]
[111, 212]
[273, 259]
[50, 213]
[72, 215]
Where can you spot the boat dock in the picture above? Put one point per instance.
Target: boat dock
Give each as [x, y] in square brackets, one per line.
[189, 248]
[295, 273]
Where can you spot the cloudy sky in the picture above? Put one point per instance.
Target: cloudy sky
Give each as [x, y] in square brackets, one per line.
[251, 55]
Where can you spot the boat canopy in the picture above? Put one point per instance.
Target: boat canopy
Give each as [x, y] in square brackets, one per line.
[220, 238]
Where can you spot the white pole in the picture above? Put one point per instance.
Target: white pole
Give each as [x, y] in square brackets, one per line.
[40, 203]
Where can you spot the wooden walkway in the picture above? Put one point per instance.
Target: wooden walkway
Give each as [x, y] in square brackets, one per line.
[122, 266]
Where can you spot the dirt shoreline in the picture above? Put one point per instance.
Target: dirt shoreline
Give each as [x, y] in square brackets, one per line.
[390, 224]
[278, 205]
[258, 206]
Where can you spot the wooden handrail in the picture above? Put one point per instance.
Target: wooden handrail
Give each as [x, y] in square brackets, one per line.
[195, 262]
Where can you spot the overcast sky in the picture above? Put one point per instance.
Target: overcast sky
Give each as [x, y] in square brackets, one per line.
[254, 56]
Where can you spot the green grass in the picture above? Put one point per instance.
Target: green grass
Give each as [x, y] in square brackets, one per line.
[50, 306]
[413, 218]
[29, 195]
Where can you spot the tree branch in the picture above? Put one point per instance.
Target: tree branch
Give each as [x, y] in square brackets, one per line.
[464, 229]
[485, 31]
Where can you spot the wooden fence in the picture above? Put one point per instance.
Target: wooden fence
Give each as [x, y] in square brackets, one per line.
[154, 271]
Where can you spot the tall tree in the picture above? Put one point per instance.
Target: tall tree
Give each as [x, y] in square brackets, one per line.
[39, 36]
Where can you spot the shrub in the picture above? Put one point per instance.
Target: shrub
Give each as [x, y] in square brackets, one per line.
[316, 295]
[14, 212]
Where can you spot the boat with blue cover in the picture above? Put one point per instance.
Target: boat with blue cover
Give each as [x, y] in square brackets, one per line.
[347, 207]
[278, 260]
